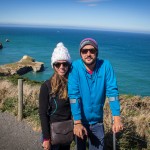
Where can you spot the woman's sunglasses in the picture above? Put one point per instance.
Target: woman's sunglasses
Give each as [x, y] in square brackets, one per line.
[58, 64]
[91, 50]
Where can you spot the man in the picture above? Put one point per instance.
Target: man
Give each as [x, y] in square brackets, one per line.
[90, 81]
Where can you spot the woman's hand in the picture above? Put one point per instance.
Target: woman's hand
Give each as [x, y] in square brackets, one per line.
[46, 145]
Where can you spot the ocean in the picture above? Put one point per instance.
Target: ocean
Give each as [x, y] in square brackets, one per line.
[129, 53]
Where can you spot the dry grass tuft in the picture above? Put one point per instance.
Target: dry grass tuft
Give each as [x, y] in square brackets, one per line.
[7, 90]
[135, 112]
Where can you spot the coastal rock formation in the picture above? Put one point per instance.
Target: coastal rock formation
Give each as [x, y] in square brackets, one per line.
[1, 45]
[7, 40]
[21, 67]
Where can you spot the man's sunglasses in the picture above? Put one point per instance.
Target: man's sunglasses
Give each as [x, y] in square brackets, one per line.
[58, 64]
[91, 50]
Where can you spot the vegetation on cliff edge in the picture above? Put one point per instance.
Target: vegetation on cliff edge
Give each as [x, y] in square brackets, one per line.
[135, 112]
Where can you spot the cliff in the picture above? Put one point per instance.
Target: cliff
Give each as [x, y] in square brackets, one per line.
[135, 113]
[21, 67]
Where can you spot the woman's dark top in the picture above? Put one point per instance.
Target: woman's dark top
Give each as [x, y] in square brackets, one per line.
[59, 110]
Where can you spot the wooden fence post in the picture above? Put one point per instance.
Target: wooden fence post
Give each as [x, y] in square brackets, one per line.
[20, 99]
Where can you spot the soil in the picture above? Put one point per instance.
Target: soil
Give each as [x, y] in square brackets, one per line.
[17, 135]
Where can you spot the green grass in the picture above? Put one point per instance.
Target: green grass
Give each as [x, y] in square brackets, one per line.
[14, 80]
[30, 112]
[10, 105]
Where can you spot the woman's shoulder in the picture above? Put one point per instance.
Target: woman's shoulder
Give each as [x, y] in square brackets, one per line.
[46, 85]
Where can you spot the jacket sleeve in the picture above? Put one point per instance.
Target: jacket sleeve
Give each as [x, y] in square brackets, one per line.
[74, 93]
[112, 90]
[43, 109]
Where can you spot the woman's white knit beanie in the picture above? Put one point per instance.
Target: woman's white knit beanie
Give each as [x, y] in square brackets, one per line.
[60, 53]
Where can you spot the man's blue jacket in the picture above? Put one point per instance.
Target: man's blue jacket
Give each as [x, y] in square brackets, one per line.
[87, 92]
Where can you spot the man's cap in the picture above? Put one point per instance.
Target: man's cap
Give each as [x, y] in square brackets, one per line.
[88, 41]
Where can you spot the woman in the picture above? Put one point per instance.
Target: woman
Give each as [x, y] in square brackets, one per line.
[59, 105]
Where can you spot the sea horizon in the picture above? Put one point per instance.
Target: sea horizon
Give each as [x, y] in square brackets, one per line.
[74, 28]
[128, 52]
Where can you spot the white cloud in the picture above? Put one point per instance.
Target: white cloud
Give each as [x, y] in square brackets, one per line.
[91, 3]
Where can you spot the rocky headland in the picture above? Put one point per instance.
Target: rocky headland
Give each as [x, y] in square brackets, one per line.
[21, 67]
[1, 45]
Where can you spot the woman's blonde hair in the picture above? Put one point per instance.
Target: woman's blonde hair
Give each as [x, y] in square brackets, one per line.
[59, 86]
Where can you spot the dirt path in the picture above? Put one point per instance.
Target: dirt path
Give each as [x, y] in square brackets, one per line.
[16, 135]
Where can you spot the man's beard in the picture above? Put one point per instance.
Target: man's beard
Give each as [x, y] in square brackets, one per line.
[90, 63]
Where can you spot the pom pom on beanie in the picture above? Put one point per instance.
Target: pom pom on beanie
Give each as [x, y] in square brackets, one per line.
[60, 53]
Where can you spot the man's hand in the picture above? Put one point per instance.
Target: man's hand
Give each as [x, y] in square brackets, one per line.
[80, 130]
[117, 124]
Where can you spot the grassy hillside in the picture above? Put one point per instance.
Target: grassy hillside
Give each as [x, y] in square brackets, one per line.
[135, 112]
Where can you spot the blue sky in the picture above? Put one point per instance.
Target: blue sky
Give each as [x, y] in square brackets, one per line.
[126, 15]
